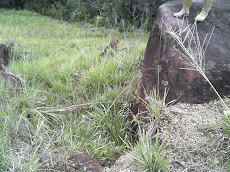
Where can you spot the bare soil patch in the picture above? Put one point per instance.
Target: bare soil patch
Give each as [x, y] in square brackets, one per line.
[195, 135]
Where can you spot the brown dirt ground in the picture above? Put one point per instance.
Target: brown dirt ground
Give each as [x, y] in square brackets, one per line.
[195, 135]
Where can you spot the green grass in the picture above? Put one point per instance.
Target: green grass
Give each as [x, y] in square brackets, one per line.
[72, 101]
[148, 154]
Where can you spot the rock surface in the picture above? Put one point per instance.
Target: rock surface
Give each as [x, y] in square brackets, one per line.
[4, 56]
[81, 162]
[162, 66]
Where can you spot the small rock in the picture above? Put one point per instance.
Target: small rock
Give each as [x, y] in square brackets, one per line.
[4, 56]
[84, 163]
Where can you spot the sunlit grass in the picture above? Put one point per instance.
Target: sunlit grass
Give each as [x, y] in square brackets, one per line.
[72, 101]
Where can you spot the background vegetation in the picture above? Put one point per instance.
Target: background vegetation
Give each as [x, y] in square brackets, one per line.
[133, 14]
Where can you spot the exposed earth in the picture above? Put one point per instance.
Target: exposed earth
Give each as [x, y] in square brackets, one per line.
[195, 135]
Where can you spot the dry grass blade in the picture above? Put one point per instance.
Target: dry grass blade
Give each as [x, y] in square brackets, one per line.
[68, 108]
[195, 60]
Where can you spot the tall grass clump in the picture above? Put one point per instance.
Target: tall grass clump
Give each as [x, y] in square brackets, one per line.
[157, 109]
[148, 152]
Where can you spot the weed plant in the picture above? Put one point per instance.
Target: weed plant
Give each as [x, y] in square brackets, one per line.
[72, 102]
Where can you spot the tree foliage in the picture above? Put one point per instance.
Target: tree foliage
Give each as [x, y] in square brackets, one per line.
[113, 13]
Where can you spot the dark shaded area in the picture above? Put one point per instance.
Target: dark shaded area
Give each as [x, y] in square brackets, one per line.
[4, 56]
[162, 63]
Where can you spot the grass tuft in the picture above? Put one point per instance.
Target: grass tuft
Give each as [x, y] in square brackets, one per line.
[148, 154]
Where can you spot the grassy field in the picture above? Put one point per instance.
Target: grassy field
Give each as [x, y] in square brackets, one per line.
[73, 101]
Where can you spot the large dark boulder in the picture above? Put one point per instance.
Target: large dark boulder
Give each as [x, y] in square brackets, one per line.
[162, 56]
